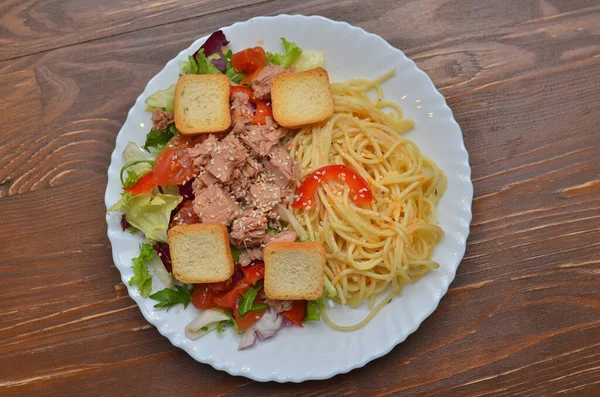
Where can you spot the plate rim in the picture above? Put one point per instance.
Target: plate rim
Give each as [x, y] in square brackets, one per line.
[423, 315]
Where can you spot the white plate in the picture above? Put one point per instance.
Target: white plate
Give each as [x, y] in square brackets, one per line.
[316, 351]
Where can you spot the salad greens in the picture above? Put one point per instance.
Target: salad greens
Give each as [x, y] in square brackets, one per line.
[132, 174]
[292, 51]
[313, 312]
[142, 277]
[235, 253]
[169, 297]
[309, 59]
[159, 139]
[230, 72]
[161, 99]
[149, 214]
[225, 324]
[247, 303]
[200, 64]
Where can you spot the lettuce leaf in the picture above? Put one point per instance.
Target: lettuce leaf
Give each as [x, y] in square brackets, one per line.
[214, 45]
[149, 214]
[292, 52]
[169, 297]
[309, 59]
[159, 139]
[141, 275]
[230, 72]
[200, 64]
[247, 303]
[161, 99]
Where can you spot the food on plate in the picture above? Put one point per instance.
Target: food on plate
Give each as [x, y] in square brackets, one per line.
[200, 253]
[294, 271]
[263, 190]
[202, 104]
[368, 195]
[301, 98]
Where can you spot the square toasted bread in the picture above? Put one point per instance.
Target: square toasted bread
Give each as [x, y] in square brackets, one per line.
[200, 253]
[294, 271]
[301, 98]
[202, 104]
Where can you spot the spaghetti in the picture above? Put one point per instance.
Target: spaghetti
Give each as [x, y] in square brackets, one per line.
[387, 242]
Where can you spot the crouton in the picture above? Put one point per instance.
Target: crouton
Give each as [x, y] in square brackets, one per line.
[202, 104]
[200, 253]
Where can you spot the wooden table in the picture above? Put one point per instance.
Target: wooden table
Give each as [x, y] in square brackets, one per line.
[522, 316]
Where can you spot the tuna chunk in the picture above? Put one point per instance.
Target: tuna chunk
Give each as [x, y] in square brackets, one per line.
[251, 254]
[279, 306]
[242, 125]
[214, 205]
[201, 153]
[257, 254]
[265, 196]
[240, 107]
[161, 119]
[261, 84]
[281, 166]
[203, 180]
[261, 138]
[249, 229]
[286, 236]
[228, 154]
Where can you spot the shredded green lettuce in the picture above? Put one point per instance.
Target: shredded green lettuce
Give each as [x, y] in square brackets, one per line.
[149, 214]
[141, 275]
[161, 99]
[309, 59]
[292, 52]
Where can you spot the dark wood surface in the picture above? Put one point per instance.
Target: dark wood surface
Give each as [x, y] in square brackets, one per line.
[522, 316]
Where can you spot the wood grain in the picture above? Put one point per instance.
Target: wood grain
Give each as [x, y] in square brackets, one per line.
[523, 314]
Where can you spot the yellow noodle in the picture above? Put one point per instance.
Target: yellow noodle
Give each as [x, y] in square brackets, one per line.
[387, 243]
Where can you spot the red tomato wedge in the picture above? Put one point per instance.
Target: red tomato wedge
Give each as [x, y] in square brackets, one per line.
[360, 192]
[250, 61]
[230, 298]
[240, 88]
[144, 184]
[248, 319]
[254, 272]
[203, 296]
[296, 313]
[263, 110]
[173, 166]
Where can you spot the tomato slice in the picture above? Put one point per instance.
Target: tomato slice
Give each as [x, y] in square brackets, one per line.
[360, 192]
[296, 313]
[250, 61]
[230, 298]
[144, 184]
[243, 323]
[173, 166]
[263, 110]
[254, 272]
[246, 90]
[203, 297]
